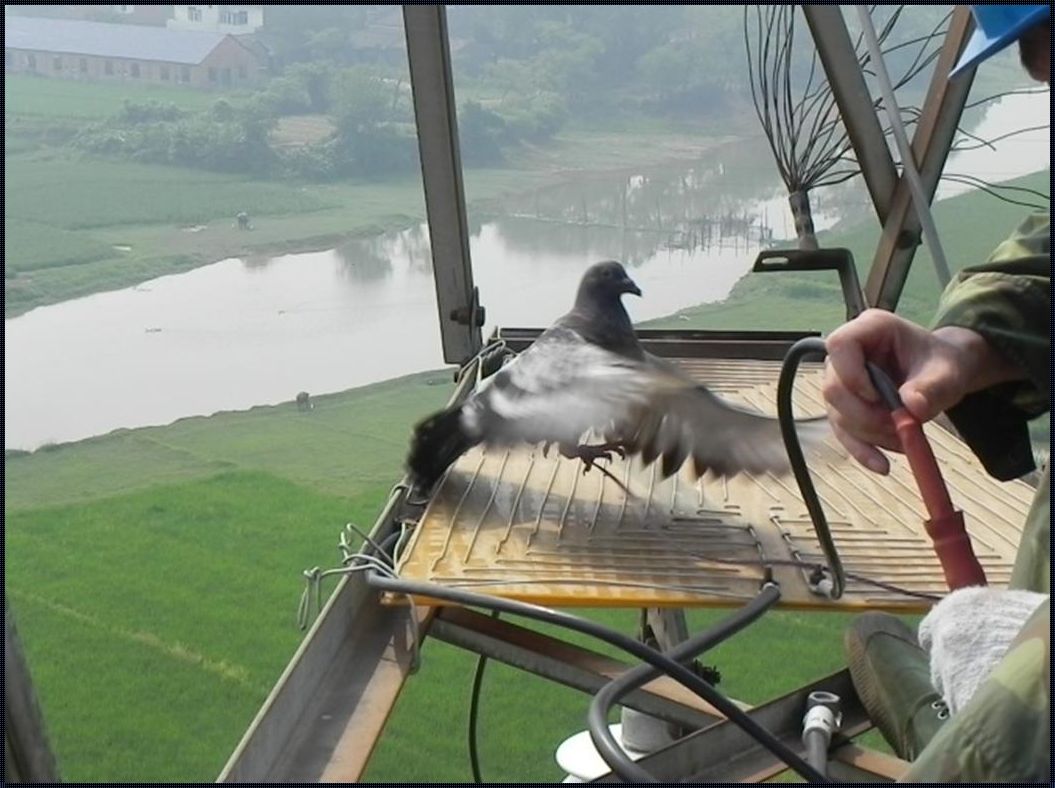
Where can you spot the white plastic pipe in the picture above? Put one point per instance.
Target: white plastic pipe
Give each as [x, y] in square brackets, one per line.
[908, 163]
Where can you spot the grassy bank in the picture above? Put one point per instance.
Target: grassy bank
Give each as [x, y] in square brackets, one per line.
[970, 227]
[75, 224]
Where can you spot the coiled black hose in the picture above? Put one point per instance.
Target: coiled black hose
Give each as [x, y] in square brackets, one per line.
[795, 354]
[611, 693]
[657, 660]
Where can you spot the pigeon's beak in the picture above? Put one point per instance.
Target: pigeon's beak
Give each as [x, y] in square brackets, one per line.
[630, 287]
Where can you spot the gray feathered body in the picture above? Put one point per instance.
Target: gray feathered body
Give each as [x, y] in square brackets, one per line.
[588, 372]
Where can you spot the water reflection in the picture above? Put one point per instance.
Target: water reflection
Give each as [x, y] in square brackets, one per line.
[363, 262]
[245, 332]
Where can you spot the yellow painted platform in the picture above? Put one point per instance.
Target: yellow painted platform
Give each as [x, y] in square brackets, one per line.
[516, 524]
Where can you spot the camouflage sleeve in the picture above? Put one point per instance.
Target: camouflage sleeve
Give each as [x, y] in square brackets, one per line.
[1004, 733]
[1008, 301]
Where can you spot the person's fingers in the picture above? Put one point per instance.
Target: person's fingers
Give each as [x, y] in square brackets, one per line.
[878, 430]
[868, 422]
[869, 456]
[846, 360]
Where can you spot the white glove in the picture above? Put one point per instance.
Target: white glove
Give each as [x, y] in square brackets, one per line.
[968, 632]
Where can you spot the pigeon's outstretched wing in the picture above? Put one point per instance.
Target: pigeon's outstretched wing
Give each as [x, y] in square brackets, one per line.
[689, 422]
[563, 387]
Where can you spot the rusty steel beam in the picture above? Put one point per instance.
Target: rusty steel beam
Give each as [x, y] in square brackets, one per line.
[567, 664]
[326, 712]
[322, 720]
[856, 106]
[851, 762]
[28, 757]
[724, 753]
[934, 135]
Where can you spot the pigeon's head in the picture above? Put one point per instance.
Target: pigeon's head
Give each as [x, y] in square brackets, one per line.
[607, 281]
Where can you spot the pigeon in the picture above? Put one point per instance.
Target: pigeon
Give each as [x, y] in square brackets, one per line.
[588, 373]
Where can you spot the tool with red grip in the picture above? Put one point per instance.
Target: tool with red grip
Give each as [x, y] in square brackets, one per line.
[945, 526]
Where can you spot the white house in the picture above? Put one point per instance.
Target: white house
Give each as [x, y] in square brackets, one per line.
[233, 19]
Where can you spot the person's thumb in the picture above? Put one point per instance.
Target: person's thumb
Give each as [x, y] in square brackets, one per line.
[929, 392]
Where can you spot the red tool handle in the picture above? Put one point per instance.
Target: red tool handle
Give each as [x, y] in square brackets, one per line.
[945, 525]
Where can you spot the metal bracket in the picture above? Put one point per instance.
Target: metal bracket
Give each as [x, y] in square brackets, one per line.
[840, 260]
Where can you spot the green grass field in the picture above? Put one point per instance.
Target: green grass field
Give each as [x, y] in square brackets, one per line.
[42, 246]
[43, 97]
[111, 194]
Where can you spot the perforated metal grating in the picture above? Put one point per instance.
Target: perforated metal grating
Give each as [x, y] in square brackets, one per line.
[518, 524]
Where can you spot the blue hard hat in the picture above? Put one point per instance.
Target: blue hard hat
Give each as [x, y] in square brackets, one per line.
[997, 26]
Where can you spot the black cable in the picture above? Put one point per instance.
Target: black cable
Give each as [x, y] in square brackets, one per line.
[474, 711]
[804, 347]
[818, 567]
[664, 664]
[611, 693]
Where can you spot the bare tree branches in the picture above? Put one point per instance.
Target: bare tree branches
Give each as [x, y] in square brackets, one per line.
[799, 116]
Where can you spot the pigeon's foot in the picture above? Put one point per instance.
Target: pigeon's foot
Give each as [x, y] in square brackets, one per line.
[590, 454]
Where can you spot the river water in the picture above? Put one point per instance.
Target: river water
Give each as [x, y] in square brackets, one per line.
[239, 333]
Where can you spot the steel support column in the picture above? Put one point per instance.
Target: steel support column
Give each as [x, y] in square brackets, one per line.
[428, 54]
[934, 135]
[27, 753]
[856, 106]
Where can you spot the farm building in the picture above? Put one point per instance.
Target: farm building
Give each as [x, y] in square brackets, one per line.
[75, 49]
[234, 19]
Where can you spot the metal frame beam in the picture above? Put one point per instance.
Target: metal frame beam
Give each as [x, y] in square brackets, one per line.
[326, 711]
[323, 717]
[724, 753]
[934, 135]
[856, 106]
[567, 664]
[428, 55]
[28, 757]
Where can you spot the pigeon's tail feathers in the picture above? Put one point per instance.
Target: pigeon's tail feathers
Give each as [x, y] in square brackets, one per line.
[436, 444]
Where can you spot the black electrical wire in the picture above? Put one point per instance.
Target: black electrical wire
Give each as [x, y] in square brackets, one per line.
[611, 693]
[474, 713]
[795, 354]
[664, 664]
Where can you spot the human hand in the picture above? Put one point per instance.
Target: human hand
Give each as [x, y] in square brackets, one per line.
[934, 370]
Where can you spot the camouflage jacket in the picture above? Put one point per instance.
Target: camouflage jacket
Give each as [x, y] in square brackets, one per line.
[1004, 733]
[1008, 301]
